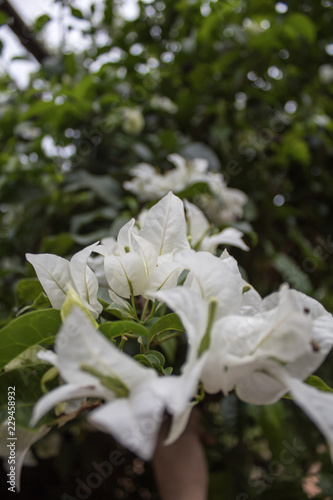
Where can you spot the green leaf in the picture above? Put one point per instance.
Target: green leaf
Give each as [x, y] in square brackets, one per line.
[118, 311]
[28, 330]
[158, 355]
[194, 190]
[168, 322]
[40, 22]
[61, 244]
[76, 13]
[27, 290]
[3, 18]
[154, 361]
[167, 371]
[108, 12]
[169, 347]
[296, 148]
[41, 302]
[141, 358]
[28, 358]
[298, 25]
[318, 383]
[112, 329]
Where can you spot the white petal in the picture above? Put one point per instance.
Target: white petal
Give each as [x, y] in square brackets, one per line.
[118, 300]
[178, 161]
[198, 224]
[164, 276]
[317, 405]
[124, 236]
[64, 393]
[53, 274]
[178, 425]
[165, 225]
[48, 357]
[134, 422]
[288, 332]
[147, 252]
[78, 343]
[251, 301]
[125, 272]
[215, 278]
[191, 309]
[85, 280]
[301, 301]
[229, 236]
[260, 388]
[322, 338]
[107, 246]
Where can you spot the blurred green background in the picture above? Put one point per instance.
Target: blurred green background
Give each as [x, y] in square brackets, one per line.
[247, 85]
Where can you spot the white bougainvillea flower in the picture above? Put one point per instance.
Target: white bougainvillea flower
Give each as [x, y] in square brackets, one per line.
[223, 205]
[147, 183]
[143, 260]
[240, 343]
[133, 121]
[56, 273]
[226, 204]
[317, 343]
[199, 231]
[262, 355]
[136, 397]
[213, 289]
[135, 421]
[288, 327]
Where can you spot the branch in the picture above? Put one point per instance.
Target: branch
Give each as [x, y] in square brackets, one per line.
[24, 33]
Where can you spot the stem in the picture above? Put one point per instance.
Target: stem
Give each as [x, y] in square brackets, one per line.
[122, 342]
[144, 310]
[151, 312]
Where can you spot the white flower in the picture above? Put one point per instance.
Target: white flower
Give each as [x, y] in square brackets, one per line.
[326, 73]
[134, 121]
[142, 262]
[223, 205]
[163, 103]
[226, 205]
[263, 349]
[212, 289]
[199, 231]
[136, 397]
[56, 273]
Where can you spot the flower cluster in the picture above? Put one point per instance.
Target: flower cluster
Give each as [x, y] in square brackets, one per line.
[222, 204]
[261, 348]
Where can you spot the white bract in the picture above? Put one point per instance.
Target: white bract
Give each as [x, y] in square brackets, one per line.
[56, 273]
[262, 350]
[136, 397]
[224, 204]
[142, 261]
[200, 230]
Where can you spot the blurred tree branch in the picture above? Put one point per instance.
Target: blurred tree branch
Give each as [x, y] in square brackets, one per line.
[24, 33]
